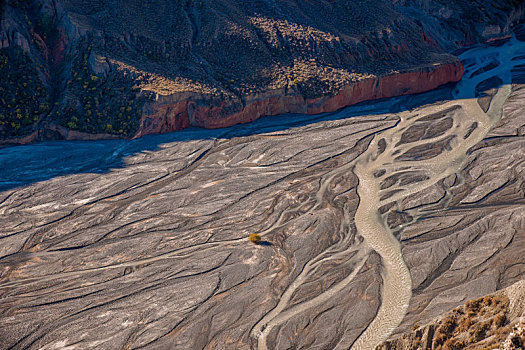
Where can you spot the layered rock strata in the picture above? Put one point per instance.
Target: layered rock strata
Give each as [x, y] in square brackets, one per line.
[169, 113]
[106, 69]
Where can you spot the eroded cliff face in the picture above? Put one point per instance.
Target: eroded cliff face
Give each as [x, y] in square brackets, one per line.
[168, 114]
[97, 67]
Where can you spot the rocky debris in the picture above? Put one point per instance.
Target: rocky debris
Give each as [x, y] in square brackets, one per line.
[149, 67]
[491, 322]
[516, 338]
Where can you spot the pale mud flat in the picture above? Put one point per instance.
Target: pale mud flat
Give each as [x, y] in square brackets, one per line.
[369, 224]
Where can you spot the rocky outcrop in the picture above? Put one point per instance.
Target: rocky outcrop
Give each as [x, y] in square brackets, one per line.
[496, 320]
[178, 112]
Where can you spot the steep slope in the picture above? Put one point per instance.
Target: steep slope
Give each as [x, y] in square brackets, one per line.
[135, 67]
[496, 321]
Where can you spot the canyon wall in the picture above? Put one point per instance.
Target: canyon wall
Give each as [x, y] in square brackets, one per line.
[98, 68]
[178, 112]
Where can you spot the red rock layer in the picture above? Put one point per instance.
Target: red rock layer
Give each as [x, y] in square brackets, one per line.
[171, 113]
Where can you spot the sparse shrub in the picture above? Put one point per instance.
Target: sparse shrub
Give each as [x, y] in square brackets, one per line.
[473, 305]
[453, 344]
[448, 325]
[499, 320]
[100, 103]
[22, 98]
[517, 342]
[479, 332]
[465, 323]
[255, 238]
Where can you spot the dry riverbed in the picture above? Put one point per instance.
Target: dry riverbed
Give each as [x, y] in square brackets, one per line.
[372, 219]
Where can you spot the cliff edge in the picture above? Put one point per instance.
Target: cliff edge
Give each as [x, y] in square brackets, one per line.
[99, 69]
